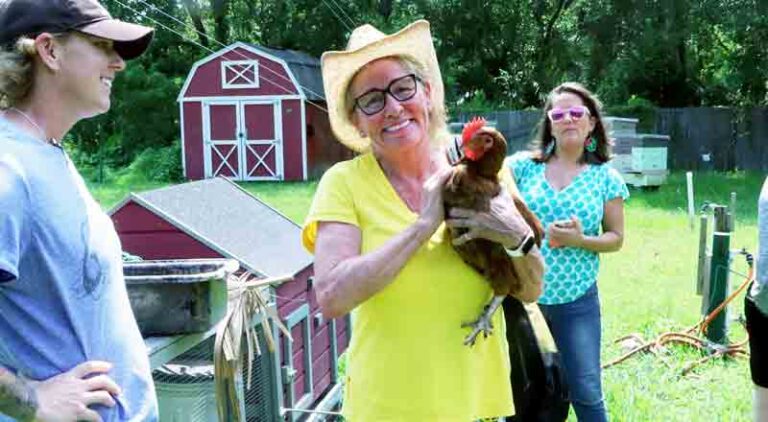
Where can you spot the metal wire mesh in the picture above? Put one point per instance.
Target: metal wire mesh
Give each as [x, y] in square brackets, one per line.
[261, 399]
[280, 380]
[185, 387]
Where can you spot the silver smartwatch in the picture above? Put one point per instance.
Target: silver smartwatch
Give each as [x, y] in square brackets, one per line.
[523, 248]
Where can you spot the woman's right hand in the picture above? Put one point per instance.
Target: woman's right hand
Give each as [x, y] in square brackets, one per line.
[565, 233]
[66, 396]
[432, 209]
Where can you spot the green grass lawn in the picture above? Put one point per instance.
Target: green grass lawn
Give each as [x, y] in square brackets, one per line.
[647, 288]
[110, 194]
[291, 198]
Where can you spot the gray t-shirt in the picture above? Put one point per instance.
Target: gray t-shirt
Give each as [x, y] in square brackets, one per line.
[759, 291]
[66, 300]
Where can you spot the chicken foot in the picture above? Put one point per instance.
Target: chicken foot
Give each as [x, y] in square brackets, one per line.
[483, 324]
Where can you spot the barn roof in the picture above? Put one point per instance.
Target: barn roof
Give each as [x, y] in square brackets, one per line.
[306, 68]
[231, 221]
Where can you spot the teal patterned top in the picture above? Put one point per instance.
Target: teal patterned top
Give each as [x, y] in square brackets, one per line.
[570, 271]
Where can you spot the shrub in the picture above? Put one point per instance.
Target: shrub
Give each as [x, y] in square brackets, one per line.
[638, 108]
[153, 165]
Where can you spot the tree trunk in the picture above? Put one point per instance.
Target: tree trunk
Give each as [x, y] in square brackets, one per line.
[197, 20]
[221, 31]
[385, 9]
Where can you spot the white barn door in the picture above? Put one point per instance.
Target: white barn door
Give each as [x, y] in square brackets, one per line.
[262, 152]
[243, 140]
[221, 143]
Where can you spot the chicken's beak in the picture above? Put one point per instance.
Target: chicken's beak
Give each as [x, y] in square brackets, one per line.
[477, 146]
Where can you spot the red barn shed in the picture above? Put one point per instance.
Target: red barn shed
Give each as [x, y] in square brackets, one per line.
[215, 218]
[255, 113]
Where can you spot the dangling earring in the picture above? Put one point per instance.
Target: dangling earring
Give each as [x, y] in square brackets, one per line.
[550, 148]
[590, 144]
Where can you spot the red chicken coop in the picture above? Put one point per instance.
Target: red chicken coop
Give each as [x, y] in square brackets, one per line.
[255, 113]
[216, 218]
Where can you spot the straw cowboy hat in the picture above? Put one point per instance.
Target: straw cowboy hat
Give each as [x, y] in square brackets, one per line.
[365, 45]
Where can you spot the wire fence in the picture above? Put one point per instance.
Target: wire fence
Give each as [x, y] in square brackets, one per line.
[185, 386]
[186, 389]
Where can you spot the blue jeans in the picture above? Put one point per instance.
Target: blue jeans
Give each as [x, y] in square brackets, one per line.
[576, 329]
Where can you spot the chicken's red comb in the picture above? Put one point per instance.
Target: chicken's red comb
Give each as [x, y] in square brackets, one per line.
[471, 128]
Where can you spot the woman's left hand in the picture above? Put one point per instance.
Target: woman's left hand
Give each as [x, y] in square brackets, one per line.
[502, 223]
[569, 234]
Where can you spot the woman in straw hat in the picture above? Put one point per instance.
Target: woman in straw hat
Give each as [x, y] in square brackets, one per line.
[70, 348]
[376, 229]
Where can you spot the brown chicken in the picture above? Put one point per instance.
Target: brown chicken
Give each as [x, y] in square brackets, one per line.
[474, 182]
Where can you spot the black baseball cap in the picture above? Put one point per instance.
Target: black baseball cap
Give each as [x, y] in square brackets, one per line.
[33, 17]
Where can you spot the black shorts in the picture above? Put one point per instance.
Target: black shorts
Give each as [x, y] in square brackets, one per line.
[757, 326]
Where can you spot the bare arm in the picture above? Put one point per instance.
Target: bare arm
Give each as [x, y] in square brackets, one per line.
[64, 397]
[344, 278]
[530, 270]
[610, 240]
[18, 398]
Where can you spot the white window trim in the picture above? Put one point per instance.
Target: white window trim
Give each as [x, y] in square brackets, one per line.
[252, 64]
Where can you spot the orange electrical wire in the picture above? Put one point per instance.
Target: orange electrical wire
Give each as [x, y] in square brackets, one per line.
[686, 337]
[702, 326]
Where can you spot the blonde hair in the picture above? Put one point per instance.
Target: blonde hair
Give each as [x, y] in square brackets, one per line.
[438, 128]
[17, 70]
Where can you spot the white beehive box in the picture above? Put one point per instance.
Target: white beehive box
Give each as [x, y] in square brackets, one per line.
[641, 158]
[651, 155]
[620, 125]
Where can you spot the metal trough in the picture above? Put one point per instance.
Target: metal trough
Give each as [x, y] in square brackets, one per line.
[178, 296]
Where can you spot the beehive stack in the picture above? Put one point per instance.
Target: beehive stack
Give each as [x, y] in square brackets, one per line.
[641, 158]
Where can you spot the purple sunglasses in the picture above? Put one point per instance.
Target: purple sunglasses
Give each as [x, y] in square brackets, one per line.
[576, 113]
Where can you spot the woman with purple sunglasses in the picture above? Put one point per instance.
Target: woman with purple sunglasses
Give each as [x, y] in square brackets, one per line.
[579, 199]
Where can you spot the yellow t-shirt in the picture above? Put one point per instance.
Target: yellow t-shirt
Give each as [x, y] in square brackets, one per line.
[406, 360]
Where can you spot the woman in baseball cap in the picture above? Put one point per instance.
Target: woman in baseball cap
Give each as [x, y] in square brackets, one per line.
[70, 348]
[33, 17]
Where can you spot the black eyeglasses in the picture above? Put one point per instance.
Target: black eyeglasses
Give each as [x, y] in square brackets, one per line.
[401, 89]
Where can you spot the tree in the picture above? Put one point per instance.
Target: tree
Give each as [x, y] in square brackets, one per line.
[493, 53]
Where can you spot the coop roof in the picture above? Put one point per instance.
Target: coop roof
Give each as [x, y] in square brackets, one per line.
[231, 221]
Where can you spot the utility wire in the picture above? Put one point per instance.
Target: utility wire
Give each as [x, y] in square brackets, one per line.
[156, 22]
[338, 17]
